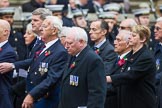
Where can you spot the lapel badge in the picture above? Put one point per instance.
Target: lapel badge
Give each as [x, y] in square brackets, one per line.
[16, 39]
[128, 69]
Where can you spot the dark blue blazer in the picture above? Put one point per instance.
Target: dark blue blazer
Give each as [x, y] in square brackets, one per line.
[44, 86]
[106, 52]
[24, 64]
[7, 54]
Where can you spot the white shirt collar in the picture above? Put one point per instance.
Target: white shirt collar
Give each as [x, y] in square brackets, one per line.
[160, 43]
[123, 55]
[49, 44]
[2, 43]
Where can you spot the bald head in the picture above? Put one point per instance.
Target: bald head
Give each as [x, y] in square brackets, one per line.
[127, 24]
[4, 30]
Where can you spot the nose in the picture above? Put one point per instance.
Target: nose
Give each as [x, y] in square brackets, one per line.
[25, 35]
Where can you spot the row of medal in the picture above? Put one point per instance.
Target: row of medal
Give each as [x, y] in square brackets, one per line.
[74, 80]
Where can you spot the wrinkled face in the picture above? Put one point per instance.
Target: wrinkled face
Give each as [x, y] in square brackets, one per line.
[47, 30]
[120, 44]
[135, 40]
[4, 3]
[4, 33]
[95, 32]
[9, 18]
[36, 23]
[80, 22]
[158, 31]
[72, 45]
[111, 23]
[144, 20]
[29, 37]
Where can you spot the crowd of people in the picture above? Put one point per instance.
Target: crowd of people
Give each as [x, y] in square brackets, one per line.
[64, 61]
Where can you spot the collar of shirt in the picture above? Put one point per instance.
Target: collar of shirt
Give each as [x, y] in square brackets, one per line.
[2, 43]
[49, 44]
[122, 56]
[160, 43]
[38, 37]
[99, 45]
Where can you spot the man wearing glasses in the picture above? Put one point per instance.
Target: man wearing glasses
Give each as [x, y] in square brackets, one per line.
[158, 58]
[127, 24]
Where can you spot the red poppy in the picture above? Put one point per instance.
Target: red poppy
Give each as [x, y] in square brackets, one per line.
[72, 65]
[97, 51]
[0, 49]
[121, 62]
[47, 53]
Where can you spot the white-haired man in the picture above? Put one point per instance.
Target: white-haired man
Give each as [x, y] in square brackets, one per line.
[83, 83]
[44, 74]
[122, 48]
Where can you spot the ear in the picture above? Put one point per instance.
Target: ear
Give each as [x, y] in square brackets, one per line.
[104, 32]
[143, 40]
[54, 31]
[81, 41]
[74, 21]
[6, 32]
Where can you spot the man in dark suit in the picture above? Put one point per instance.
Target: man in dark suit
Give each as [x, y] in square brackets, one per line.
[43, 80]
[16, 38]
[83, 82]
[98, 31]
[158, 57]
[122, 48]
[7, 54]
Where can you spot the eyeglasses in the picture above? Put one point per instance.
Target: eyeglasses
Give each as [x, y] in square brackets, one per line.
[157, 28]
[123, 28]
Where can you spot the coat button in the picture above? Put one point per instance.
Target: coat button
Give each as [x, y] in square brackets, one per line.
[35, 73]
[31, 82]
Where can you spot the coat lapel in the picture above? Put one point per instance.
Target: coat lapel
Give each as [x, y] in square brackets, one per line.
[42, 56]
[77, 62]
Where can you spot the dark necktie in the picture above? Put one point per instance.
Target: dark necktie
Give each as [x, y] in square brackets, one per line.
[97, 51]
[39, 51]
[72, 60]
